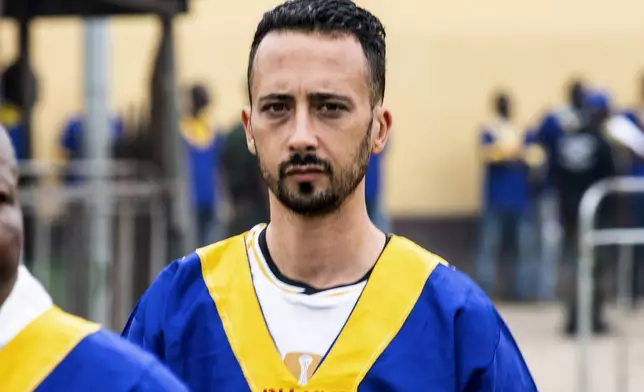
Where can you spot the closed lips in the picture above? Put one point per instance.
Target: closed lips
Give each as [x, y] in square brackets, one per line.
[304, 170]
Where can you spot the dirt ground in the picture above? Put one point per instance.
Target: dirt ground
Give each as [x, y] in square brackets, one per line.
[552, 358]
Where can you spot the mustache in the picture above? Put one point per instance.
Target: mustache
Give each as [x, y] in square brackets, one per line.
[298, 161]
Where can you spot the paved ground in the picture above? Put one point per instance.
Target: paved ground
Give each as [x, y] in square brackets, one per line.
[553, 358]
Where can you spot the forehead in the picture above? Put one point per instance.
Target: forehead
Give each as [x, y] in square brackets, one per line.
[288, 60]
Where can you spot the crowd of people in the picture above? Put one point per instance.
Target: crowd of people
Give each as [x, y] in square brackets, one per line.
[533, 185]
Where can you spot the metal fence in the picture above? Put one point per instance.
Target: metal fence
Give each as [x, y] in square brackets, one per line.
[61, 217]
[589, 238]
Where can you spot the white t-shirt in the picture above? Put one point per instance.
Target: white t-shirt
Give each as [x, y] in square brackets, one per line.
[27, 301]
[303, 323]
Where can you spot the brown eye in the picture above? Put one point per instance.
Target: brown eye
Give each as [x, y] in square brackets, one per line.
[331, 107]
[275, 107]
[332, 110]
[5, 198]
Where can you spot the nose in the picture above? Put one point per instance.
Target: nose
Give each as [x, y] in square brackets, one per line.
[302, 138]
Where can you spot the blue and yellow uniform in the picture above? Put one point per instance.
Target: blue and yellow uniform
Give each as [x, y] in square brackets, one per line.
[60, 352]
[203, 146]
[44, 349]
[419, 325]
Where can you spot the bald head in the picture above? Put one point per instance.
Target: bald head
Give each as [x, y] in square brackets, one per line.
[11, 236]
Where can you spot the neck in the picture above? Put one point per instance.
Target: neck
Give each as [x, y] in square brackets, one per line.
[326, 251]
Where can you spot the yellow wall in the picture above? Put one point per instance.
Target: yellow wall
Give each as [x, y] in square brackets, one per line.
[444, 59]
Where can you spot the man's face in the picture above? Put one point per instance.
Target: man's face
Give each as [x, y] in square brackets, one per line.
[312, 125]
[10, 213]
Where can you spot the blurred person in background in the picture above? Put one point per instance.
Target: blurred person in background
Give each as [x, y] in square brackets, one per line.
[506, 209]
[581, 159]
[11, 119]
[13, 104]
[203, 147]
[319, 298]
[636, 113]
[634, 166]
[243, 182]
[45, 349]
[374, 193]
[73, 145]
[566, 118]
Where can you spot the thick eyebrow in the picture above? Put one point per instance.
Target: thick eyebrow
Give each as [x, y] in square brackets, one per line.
[320, 97]
[314, 97]
[276, 97]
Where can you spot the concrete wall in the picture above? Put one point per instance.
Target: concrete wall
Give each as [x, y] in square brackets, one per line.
[444, 59]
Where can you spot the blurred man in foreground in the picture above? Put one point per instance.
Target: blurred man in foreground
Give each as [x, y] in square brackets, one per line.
[45, 349]
[320, 299]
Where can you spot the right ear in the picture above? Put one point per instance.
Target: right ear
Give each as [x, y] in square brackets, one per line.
[248, 128]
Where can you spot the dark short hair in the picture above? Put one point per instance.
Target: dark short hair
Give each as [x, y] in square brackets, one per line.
[199, 94]
[501, 97]
[329, 16]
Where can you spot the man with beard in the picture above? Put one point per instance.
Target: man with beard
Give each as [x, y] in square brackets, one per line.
[320, 299]
[44, 349]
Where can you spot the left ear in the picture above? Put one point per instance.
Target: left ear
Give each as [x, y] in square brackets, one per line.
[246, 121]
[382, 127]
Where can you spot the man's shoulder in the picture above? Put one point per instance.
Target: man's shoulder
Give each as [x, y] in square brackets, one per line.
[410, 251]
[189, 269]
[453, 297]
[114, 352]
[90, 342]
[447, 287]
[85, 346]
[121, 364]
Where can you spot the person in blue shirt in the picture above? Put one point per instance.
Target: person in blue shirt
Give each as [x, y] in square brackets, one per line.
[43, 348]
[373, 192]
[582, 158]
[72, 141]
[555, 123]
[203, 149]
[635, 167]
[504, 150]
[635, 114]
[567, 118]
